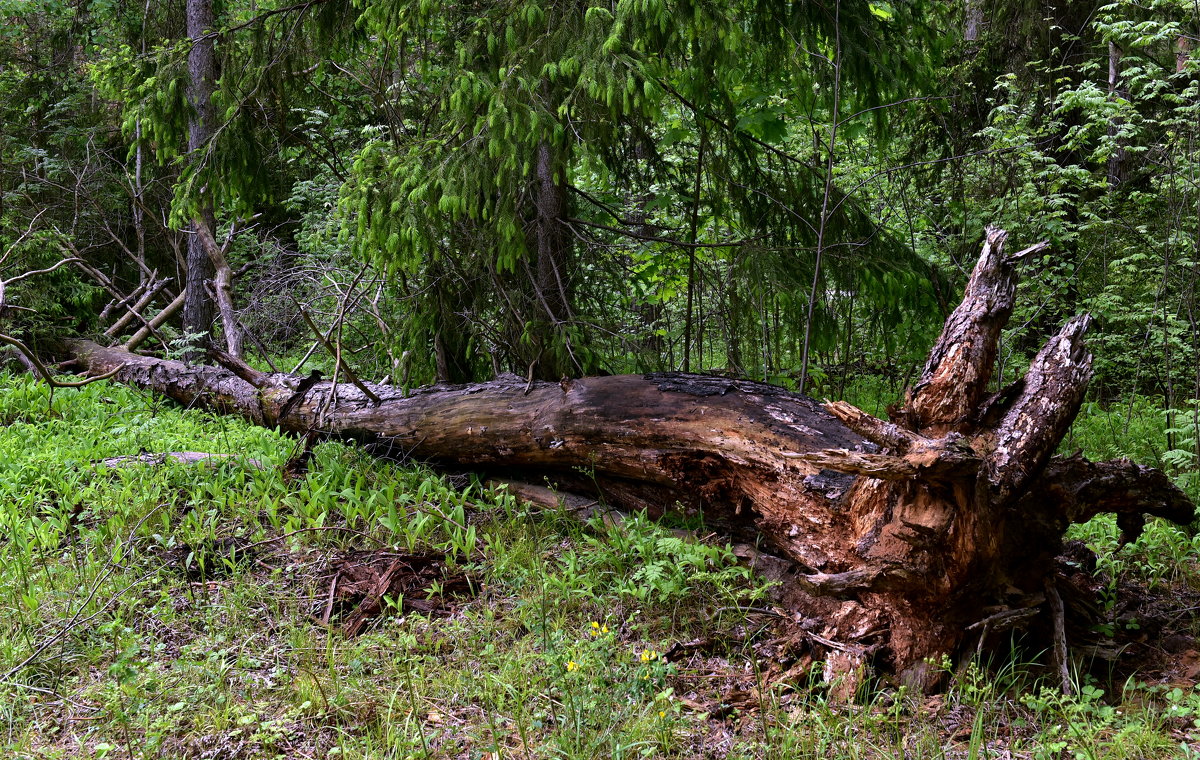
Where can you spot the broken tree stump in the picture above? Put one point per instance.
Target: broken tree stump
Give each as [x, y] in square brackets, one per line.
[911, 538]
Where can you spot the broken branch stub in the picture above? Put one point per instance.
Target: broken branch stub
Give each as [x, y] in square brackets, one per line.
[960, 364]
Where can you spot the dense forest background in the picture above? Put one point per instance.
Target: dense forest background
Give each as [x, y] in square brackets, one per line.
[784, 191]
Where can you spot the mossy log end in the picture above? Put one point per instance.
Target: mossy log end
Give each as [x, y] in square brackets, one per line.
[906, 535]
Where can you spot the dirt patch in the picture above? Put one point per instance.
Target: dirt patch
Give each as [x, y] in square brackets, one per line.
[210, 560]
[365, 584]
[1125, 628]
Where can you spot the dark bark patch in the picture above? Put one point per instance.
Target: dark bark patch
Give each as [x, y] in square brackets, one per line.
[832, 484]
[712, 385]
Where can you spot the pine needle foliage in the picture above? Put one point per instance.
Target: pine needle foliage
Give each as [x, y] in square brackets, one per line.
[623, 97]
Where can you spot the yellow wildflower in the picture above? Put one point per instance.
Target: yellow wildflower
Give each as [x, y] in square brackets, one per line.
[572, 665]
[649, 655]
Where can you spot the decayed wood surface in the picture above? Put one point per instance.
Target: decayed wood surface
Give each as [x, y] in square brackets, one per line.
[907, 536]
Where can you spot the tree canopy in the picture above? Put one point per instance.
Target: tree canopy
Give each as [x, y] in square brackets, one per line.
[560, 188]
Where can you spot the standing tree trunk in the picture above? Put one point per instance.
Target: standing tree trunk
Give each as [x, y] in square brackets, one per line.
[693, 238]
[1116, 90]
[910, 539]
[550, 241]
[972, 20]
[202, 75]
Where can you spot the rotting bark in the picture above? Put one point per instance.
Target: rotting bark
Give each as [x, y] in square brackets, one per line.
[911, 539]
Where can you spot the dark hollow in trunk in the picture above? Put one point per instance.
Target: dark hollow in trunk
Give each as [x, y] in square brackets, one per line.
[910, 538]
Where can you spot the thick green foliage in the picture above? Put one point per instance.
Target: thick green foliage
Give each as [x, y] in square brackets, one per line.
[623, 96]
[709, 153]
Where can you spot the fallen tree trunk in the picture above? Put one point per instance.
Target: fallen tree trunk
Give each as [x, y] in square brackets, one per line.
[910, 537]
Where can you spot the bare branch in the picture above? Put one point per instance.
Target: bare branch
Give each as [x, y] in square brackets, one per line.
[336, 355]
[26, 275]
[21, 238]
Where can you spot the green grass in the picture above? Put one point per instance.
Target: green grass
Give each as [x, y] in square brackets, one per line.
[112, 650]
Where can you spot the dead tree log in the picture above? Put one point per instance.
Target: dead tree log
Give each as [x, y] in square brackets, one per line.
[909, 536]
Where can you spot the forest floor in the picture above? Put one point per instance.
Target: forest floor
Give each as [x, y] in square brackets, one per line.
[236, 608]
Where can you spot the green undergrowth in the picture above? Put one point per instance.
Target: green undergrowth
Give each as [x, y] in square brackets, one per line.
[126, 633]
[1139, 428]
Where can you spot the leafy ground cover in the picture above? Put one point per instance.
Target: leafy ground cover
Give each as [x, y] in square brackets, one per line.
[201, 611]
